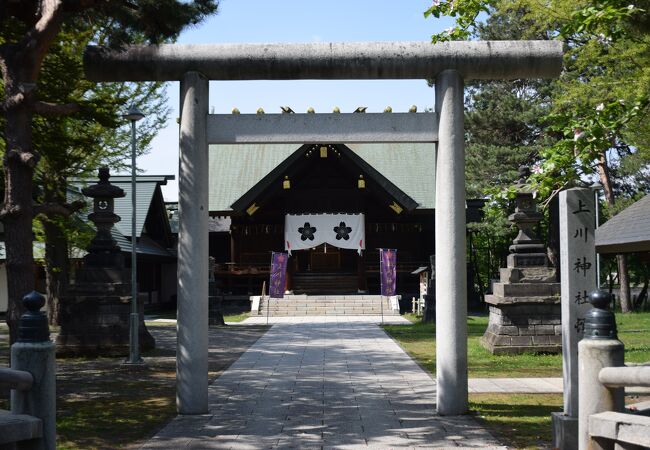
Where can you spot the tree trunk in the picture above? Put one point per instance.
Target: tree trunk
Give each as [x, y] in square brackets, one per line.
[19, 164]
[57, 263]
[56, 268]
[643, 295]
[553, 249]
[624, 283]
[623, 277]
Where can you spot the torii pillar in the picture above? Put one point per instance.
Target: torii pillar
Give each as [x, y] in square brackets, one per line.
[451, 254]
[450, 63]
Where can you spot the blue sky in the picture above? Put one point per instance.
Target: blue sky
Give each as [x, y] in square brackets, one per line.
[259, 21]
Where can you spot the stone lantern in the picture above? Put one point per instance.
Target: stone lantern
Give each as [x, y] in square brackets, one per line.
[103, 251]
[95, 311]
[527, 249]
[525, 304]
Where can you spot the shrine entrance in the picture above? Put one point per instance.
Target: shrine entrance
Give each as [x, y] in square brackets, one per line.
[349, 200]
[324, 259]
[448, 63]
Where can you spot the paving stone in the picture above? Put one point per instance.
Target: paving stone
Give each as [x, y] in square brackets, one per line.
[325, 382]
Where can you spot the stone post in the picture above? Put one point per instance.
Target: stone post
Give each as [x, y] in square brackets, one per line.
[34, 353]
[451, 270]
[192, 325]
[578, 278]
[598, 349]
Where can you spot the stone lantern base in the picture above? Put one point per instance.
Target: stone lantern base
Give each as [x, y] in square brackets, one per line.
[525, 312]
[94, 319]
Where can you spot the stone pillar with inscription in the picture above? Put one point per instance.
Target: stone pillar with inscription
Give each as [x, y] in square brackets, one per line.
[525, 303]
[578, 278]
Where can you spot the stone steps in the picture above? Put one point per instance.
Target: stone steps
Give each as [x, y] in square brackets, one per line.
[302, 305]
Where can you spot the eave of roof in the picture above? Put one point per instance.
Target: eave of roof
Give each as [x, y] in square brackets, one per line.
[628, 231]
[146, 186]
[234, 169]
[276, 174]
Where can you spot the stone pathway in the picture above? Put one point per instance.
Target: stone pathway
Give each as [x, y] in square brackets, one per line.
[335, 382]
[515, 385]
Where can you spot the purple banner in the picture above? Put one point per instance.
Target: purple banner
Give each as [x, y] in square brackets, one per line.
[278, 274]
[388, 271]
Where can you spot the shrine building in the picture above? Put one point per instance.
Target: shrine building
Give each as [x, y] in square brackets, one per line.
[332, 206]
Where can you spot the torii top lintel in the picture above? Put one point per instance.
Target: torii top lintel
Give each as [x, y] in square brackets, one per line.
[483, 60]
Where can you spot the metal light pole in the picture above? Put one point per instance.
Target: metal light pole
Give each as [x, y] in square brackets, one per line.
[134, 114]
[597, 187]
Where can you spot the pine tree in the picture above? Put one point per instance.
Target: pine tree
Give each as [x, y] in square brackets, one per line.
[28, 30]
[505, 129]
[76, 145]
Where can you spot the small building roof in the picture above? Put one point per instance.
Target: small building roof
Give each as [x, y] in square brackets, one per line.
[146, 189]
[234, 169]
[146, 186]
[628, 231]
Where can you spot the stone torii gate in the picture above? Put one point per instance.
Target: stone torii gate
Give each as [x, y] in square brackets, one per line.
[448, 63]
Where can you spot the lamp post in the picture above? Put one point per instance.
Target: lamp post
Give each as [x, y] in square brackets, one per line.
[134, 114]
[597, 187]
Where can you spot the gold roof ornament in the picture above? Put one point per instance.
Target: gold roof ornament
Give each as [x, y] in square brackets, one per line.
[388, 109]
[260, 110]
[336, 110]
[396, 207]
[310, 110]
[361, 109]
[413, 109]
[235, 111]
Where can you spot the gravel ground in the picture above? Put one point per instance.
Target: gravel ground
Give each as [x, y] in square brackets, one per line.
[88, 387]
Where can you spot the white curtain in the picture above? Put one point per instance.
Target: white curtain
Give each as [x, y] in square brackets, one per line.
[304, 231]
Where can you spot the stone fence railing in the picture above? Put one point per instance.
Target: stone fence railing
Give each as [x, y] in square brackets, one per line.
[18, 428]
[610, 429]
[31, 423]
[604, 423]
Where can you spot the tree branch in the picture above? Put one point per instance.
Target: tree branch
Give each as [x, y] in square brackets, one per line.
[9, 210]
[56, 110]
[37, 41]
[12, 102]
[58, 209]
[28, 158]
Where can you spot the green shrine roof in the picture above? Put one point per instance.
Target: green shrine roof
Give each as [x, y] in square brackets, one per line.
[234, 169]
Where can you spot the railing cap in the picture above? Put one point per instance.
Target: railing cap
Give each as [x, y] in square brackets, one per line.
[33, 324]
[600, 322]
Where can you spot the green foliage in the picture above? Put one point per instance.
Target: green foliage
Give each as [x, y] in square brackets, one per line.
[505, 129]
[586, 132]
[70, 124]
[592, 122]
[614, 19]
[76, 145]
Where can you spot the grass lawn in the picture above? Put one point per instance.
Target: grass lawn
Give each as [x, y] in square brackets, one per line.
[236, 317]
[520, 420]
[227, 317]
[418, 340]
